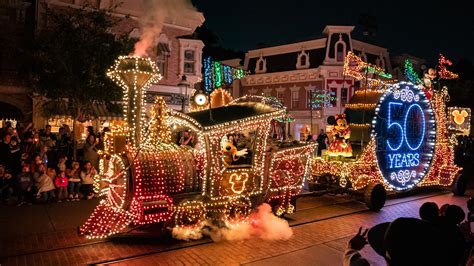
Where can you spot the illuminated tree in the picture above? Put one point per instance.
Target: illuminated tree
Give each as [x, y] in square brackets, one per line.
[70, 56]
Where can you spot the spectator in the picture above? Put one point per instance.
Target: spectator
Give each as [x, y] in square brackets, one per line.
[90, 151]
[187, 139]
[87, 177]
[442, 210]
[90, 131]
[405, 241]
[62, 163]
[45, 184]
[28, 147]
[6, 188]
[74, 182]
[47, 138]
[24, 185]
[35, 165]
[14, 161]
[323, 141]
[451, 233]
[64, 141]
[61, 183]
[352, 256]
[5, 149]
[429, 211]
[44, 155]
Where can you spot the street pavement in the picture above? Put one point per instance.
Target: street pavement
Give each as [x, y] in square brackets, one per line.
[46, 235]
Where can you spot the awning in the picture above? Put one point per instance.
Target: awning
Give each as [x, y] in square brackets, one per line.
[101, 112]
[163, 49]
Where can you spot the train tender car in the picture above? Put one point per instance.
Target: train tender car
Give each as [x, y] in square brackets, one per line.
[408, 145]
[231, 166]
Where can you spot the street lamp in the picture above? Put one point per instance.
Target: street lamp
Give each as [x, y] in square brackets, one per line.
[183, 85]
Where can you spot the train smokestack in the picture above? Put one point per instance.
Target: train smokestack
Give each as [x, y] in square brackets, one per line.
[134, 75]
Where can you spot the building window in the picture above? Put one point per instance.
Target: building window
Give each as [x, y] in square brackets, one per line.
[189, 62]
[295, 99]
[344, 96]
[303, 60]
[261, 66]
[162, 55]
[340, 49]
[340, 52]
[281, 96]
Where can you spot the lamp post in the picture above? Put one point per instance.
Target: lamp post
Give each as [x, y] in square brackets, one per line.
[184, 84]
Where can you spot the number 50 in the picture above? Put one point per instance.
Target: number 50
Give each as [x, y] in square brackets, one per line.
[403, 130]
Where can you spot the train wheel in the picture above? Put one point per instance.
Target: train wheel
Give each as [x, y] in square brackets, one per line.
[459, 185]
[114, 175]
[239, 209]
[375, 196]
[190, 213]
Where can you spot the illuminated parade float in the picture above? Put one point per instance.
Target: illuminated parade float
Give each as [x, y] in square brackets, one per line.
[402, 131]
[231, 167]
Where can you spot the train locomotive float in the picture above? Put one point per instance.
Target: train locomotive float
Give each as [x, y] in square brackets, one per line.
[403, 136]
[234, 165]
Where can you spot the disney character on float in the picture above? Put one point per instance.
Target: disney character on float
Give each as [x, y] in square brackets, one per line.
[340, 132]
[428, 78]
[230, 152]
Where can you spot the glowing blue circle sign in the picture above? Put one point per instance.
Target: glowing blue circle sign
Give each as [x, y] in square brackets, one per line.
[404, 129]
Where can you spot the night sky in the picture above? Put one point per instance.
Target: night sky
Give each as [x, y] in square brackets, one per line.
[420, 29]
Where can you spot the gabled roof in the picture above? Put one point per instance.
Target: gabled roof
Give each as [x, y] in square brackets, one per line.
[287, 61]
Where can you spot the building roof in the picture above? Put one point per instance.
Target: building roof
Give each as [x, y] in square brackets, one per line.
[281, 62]
[230, 113]
[280, 58]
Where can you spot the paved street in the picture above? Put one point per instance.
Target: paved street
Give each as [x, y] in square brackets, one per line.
[46, 235]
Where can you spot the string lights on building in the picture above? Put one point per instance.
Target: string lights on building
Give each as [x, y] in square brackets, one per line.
[217, 74]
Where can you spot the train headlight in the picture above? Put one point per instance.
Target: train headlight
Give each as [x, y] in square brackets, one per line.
[200, 99]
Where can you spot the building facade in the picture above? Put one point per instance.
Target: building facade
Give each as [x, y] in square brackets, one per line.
[301, 72]
[175, 51]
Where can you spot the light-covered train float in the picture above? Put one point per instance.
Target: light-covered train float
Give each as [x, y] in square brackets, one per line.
[403, 136]
[233, 166]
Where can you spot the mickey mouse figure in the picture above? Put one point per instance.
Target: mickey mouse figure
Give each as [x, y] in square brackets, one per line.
[340, 132]
[459, 116]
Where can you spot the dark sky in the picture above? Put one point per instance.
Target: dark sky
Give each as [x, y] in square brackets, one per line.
[421, 29]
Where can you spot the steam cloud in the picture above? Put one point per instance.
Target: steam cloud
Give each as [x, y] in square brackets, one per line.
[262, 224]
[153, 19]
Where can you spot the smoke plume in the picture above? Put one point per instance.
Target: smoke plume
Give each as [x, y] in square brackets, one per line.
[156, 12]
[262, 223]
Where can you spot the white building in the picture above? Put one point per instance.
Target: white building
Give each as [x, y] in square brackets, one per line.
[289, 72]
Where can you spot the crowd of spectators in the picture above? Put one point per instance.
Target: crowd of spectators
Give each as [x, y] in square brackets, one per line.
[36, 166]
[441, 236]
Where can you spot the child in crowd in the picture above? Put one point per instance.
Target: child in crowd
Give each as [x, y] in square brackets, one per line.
[45, 184]
[35, 165]
[87, 176]
[74, 175]
[24, 185]
[62, 163]
[61, 185]
[44, 155]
